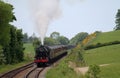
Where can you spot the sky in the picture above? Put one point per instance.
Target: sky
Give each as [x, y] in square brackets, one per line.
[76, 16]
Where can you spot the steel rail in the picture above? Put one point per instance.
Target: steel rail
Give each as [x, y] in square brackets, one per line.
[37, 75]
[33, 70]
[14, 72]
[27, 75]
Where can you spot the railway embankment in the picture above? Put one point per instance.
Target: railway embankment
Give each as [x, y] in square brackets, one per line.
[71, 66]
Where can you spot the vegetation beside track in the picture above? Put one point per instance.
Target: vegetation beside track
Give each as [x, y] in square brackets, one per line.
[65, 69]
[28, 57]
[6, 68]
[62, 70]
[98, 56]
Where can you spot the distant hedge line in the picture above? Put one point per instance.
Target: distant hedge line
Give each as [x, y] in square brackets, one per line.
[101, 45]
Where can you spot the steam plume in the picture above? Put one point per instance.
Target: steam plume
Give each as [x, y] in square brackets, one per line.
[44, 11]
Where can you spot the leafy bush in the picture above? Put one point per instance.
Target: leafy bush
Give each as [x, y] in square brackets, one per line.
[93, 72]
[76, 56]
[2, 58]
[62, 71]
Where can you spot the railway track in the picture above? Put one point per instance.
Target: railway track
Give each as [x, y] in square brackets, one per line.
[12, 73]
[34, 73]
[38, 72]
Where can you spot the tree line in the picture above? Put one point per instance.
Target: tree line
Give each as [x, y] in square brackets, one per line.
[55, 39]
[11, 45]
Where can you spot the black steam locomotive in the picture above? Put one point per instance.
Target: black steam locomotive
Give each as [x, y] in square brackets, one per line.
[46, 54]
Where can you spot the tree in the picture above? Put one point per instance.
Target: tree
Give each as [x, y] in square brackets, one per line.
[14, 50]
[78, 38]
[10, 36]
[6, 16]
[55, 35]
[19, 48]
[32, 38]
[2, 57]
[25, 38]
[117, 27]
[50, 41]
[63, 40]
[36, 42]
[13, 45]
[93, 71]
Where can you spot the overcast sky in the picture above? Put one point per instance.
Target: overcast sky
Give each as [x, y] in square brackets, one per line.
[77, 16]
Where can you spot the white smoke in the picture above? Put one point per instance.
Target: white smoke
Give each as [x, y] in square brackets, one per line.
[44, 11]
[71, 2]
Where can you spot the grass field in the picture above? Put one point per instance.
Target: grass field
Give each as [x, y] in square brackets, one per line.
[107, 37]
[102, 55]
[105, 55]
[29, 51]
[28, 48]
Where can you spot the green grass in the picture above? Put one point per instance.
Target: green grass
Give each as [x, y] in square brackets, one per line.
[6, 68]
[110, 71]
[29, 51]
[105, 55]
[62, 71]
[28, 48]
[106, 37]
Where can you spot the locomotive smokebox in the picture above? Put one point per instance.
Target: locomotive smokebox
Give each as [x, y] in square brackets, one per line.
[41, 45]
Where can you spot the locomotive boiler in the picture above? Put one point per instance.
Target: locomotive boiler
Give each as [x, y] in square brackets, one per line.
[46, 54]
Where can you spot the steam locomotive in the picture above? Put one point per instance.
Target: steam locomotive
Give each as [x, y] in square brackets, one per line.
[47, 54]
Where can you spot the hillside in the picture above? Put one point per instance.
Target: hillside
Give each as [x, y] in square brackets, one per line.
[105, 55]
[108, 54]
[106, 37]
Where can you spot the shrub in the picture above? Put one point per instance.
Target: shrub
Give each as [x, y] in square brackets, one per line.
[93, 72]
[2, 58]
[101, 45]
